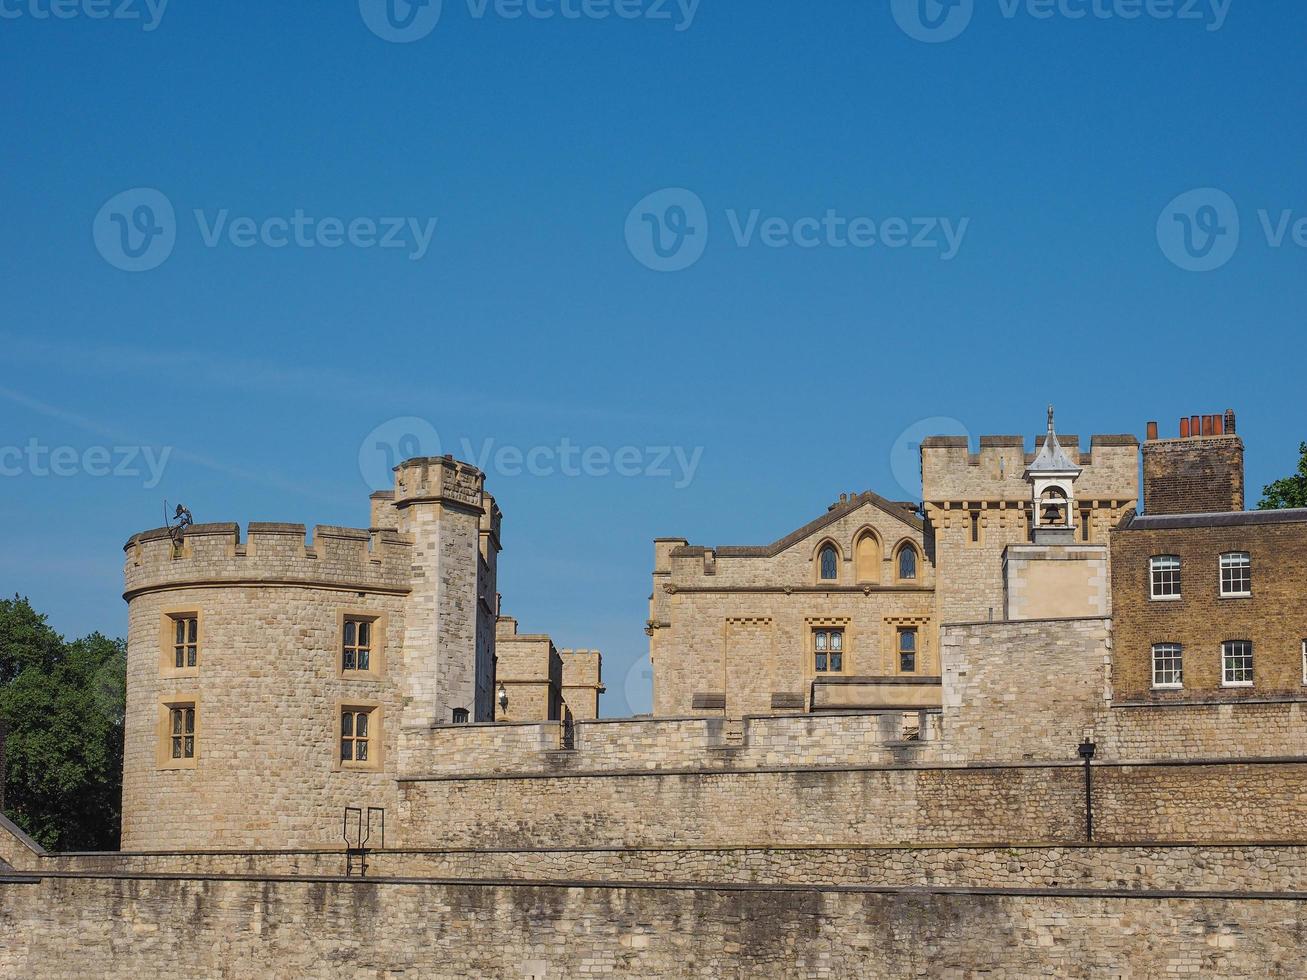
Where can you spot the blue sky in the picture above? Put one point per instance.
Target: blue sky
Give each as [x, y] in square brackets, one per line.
[1055, 147]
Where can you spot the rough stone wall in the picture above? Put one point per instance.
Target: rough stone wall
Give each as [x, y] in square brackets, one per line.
[1143, 867]
[1023, 690]
[531, 671]
[268, 694]
[1206, 731]
[990, 483]
[733, 625]
[441, 503]
[1274, 618]
[582, 682]
[1156, 802]
[1198, 475]
[152, 927]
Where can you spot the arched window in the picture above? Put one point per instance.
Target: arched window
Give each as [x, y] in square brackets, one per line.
[907, 562]
[829, 563]
[867, 555]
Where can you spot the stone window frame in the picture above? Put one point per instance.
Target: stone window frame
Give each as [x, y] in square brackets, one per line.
[818, 553]
[1225, 664]
[379, 622]
[1174, 652]
[891, 628]
[827, 624]
[907, 545]
[899, 653]
[1244, 565]
[163, 731]
[974, 526]
[866, 533]
[1153, 574]
[376, 735]
[168, 641]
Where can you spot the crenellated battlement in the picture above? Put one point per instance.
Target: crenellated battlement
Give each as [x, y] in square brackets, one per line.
[427, 479]
[271, 554]
[950, 471]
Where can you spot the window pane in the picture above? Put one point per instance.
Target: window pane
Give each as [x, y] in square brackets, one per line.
[365, 634]
[191, 656]
[176, 722]
[821, 662]
[1168, 665]
[177, 747]
[361, 725]
[347, 723]
[349, 659]
[821, 641]
[181, 631]
[364, 659]
[908, 663]
[346, 750]
[194, 625]
[349, 633]
[190, 721]
[836, 662]
[180, 658]
[837, 640]
[828, 563]
[908, 563]
[189, 750]
[361, 751]
[908, 641]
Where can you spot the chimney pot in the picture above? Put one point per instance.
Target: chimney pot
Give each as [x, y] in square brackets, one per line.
[1195, 426]
[1184, 428]
[1209, 425]
[1229, 421]
[1152, 431]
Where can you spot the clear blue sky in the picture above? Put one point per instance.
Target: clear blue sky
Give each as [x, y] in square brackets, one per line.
[528, 320]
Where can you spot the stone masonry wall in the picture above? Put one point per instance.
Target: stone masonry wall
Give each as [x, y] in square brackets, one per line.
[1227, 867]
[152, 927]
[1245, 802]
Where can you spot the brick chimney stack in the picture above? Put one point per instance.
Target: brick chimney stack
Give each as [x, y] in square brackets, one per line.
[1201, 472]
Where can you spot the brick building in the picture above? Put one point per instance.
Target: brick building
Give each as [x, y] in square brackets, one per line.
[1208, 599]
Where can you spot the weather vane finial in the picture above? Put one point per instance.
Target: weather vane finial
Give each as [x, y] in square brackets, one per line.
[1050, 419]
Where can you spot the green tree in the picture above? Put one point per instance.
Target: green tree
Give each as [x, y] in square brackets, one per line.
[64, 705]
[1289, 492]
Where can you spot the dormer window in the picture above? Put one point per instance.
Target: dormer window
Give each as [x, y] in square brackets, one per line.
[828, 563]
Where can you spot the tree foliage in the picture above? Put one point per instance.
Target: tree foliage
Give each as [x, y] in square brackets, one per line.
[63, 703]
[1289, 492]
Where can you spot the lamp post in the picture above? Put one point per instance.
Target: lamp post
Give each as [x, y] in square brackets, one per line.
[503, 697]
[1086, 751]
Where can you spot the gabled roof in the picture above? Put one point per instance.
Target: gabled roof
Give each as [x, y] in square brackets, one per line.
[905, 513]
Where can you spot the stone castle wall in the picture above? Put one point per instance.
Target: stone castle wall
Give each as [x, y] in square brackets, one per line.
[1146, 802]
[159, 927]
